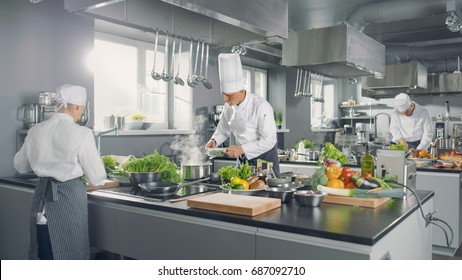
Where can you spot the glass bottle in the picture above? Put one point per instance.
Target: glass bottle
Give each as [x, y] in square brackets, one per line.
[367, 163]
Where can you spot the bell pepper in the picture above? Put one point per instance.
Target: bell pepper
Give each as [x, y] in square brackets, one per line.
[333, 172]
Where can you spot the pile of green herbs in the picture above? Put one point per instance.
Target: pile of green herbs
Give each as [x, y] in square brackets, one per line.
[155, 162]
[112, 168]
[227, 172]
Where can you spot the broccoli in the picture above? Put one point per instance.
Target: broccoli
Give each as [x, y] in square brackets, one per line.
[319, 177]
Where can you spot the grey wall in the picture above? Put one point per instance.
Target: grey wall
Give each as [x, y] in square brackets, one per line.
[298, 118]
[41, 48]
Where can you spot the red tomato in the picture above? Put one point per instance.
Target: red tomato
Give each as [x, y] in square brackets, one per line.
[346, 174]
[368, 175]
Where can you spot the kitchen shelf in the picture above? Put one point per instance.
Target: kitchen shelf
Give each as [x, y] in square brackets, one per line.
[367, 106]
[358, 118]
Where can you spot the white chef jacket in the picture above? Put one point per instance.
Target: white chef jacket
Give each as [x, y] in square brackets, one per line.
[251, 123]
[417, 127]
[61, 149]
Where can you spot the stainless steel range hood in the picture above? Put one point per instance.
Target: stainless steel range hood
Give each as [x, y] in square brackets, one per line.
[399, 76]
[441, 83]
[338, 51]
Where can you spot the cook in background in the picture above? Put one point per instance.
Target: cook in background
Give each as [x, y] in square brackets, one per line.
[60, 152]
[411, 125]
[247, 116]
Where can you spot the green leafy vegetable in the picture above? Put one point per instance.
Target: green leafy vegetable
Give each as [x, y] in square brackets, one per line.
[244, 171]
[397, 147]
[227, 172]
[319, 177]
[331, 152]
[307, 143]
[155, 162]
[112, 168]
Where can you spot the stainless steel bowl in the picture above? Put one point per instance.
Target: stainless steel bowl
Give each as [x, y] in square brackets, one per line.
[309, 198]
[290, 186]
[285, 194]
[273, 182]
[140, 178]
[161, 188]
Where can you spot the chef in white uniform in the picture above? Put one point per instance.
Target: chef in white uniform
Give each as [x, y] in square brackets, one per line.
[247, 116]
[411, 124]
[60, 152]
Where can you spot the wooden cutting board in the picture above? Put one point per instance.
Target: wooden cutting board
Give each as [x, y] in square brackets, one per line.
[235, 203]
[356, 201]
[107, 184]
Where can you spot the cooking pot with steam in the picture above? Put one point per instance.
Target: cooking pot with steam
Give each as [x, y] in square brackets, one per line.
[195, 171]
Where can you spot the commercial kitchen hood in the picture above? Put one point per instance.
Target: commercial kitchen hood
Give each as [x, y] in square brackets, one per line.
[399, 76]
[337, 51]
[441, 83]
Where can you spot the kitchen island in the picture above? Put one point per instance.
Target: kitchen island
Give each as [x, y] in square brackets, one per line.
[142, 229]
[446, 183]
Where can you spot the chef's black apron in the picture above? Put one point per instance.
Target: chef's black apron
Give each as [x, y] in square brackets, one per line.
[271, 156]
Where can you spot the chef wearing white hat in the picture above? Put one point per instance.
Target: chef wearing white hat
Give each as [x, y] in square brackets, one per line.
[411, 124]
[60, 152]
[245, 115]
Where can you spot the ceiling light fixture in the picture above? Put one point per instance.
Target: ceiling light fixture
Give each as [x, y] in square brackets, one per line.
[35, 1]
[453, 21]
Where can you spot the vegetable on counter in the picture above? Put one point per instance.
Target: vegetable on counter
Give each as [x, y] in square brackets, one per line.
[112, 168]
[365, 183]
[397, 147]
[227, 172]
[155, 162]
[319, 177]
[306, 143]
[363, 193]
[332, 153]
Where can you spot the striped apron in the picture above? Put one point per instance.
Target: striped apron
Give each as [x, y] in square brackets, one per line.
[67, 218]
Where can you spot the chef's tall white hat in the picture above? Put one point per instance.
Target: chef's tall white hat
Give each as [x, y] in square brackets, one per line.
[402, 102]
[230, 72]
[71, 94]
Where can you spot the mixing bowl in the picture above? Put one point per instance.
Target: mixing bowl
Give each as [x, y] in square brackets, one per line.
[285, 194]
[309, 198]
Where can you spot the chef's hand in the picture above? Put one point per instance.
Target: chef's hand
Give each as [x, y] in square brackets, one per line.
[402, 141]
[415, 152]
[211, 144]
[234, 151]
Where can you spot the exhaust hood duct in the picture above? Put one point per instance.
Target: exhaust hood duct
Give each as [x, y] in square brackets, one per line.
[267, 18]
[397, 10]
[338, 51]
[443, 83]
[399, 76]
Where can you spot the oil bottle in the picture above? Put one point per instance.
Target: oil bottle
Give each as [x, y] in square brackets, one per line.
[367, 163]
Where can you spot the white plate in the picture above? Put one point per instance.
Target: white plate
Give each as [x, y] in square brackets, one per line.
[421, 159]
[215, 152]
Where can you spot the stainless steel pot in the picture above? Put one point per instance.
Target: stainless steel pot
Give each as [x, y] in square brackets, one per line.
[195, 171]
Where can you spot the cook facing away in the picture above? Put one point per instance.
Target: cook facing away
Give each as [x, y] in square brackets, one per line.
[411, 124]
[247, 116]
[60, 152]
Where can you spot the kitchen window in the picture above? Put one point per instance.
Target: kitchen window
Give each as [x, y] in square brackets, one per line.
[255, 80]
[323, 112]
[123, 84]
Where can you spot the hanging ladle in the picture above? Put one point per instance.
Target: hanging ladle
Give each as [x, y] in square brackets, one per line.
[191, 82]
[199, 78]
[296, 95]
[165, 75]
[156, 76]
[177, 80]
[172, 63]
[205, 81]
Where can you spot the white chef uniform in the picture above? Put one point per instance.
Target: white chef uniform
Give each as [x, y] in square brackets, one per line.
[414, 128]
[251, 122]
